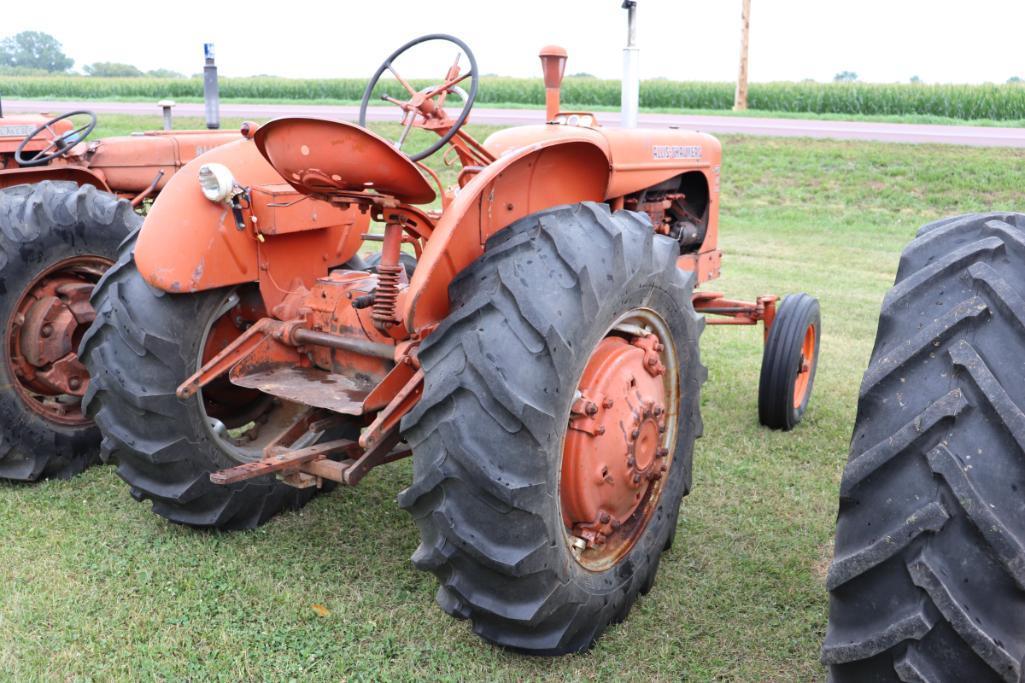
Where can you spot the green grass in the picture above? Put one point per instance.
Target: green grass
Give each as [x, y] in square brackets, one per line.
[93, 586]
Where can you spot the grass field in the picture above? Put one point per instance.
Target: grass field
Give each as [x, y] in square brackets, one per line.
[94, 587]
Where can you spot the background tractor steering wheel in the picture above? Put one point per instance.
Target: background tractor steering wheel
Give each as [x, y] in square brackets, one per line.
[427, 104]
[59, 144]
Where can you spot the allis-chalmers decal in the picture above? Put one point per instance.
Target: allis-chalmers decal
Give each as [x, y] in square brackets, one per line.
[676, 151]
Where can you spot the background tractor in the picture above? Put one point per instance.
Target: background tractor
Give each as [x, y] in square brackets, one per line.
[539, 358]
[65, 205]
[928, 577]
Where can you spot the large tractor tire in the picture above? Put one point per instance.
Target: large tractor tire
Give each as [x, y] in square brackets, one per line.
[928, 577]
[143, 345]
[56, 240]
[553, 442]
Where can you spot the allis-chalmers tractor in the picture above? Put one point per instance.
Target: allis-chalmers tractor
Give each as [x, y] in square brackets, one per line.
[65, 206]
[539, 358]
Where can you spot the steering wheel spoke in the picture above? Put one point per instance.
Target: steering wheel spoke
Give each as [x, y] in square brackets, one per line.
[428, 104]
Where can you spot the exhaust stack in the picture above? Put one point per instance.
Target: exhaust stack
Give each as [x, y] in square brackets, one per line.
[553, 66]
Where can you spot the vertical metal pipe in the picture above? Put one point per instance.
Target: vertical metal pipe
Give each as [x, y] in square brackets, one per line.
[211, 97]
[631, 85]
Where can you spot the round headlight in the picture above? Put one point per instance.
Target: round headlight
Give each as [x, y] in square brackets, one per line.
[216, 182]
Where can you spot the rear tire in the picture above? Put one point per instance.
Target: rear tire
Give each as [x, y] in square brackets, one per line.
[137, 353]
[928, 577]
[487, 436]
[42, 225]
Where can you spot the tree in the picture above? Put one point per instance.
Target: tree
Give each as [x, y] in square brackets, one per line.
[110, 69]
[164, 73]
[34, 50]
[845, 77]
[916, 79]
[1015, 79]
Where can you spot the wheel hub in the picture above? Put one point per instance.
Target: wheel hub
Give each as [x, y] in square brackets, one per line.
[616, 447]
[43, 335]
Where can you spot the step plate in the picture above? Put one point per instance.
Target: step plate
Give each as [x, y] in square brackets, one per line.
[308, 386]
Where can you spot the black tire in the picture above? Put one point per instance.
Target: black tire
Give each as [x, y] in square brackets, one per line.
[928, 577]
[137, 354]
[408, 262]
[781, 362]
[41, 225]
[500, 374]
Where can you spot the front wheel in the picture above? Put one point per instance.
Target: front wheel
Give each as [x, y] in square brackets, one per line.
[553, 443]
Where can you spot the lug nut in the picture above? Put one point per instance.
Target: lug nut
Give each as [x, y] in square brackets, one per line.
[659, 346]
[659, 410]
[635, 433]
[590, 408]
[47, 330]
[637, 479]
[74, 383]
[604, 518]
[662, 452]
[600, 430]
[608, 403]
[663, 468]
[631, 461]
[652, 361]
[616, 524]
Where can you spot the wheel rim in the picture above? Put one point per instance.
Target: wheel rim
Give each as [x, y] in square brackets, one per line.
[240, 421]
[621, 434]
[805, 367]
[43, 333]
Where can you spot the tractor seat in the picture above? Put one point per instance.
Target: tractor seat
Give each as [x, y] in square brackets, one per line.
[320, 157]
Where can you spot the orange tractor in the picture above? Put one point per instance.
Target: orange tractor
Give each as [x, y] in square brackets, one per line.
[529, 335]
[65, 206]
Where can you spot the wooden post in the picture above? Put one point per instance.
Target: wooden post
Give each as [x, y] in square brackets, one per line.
[740, 98]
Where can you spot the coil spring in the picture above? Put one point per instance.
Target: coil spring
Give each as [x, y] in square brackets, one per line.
[387, 295]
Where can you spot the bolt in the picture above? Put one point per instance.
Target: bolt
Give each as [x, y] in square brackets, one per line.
[631, 461]
[600, 430]
[663, 468]
[655, 476]
[608, 403]
[616, 524]
[74, 383]
[659, 410]
[637, 479]
[661, 429]
[635, 433]
[604, 518]
[590, 408]
[47, 330]
[662, 452]
[652, 361]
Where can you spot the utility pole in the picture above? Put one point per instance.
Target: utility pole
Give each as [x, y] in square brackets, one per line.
[740, 98]
[631, 85]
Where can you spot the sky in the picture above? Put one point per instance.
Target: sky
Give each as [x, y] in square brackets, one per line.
[880, 40]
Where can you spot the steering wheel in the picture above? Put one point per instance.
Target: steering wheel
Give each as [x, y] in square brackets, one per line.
[427, 105]
[59, 144]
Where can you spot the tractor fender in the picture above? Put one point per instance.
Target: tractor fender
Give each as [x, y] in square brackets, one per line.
[76, 174]
[190, 244]
[524, 180]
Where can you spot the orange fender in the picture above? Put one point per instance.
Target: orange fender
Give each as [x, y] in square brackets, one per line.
[190, 244]
[561, 170]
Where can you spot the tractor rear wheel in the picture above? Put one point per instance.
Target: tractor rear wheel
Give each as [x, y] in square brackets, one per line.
[553, 442]
[144, 343]
[56, 241]
[928, 577]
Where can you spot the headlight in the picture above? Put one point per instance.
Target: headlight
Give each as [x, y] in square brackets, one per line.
[216, 182]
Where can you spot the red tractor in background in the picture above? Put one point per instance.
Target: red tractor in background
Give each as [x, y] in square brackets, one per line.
[539, 359]
[65, 205]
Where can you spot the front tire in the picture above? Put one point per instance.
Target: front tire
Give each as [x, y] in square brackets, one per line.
[56, 239]
[490, 432]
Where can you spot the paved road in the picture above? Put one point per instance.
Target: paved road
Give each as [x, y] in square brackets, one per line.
[843, 130]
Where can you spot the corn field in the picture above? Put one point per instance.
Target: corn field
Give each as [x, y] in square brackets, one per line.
[997, 102]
